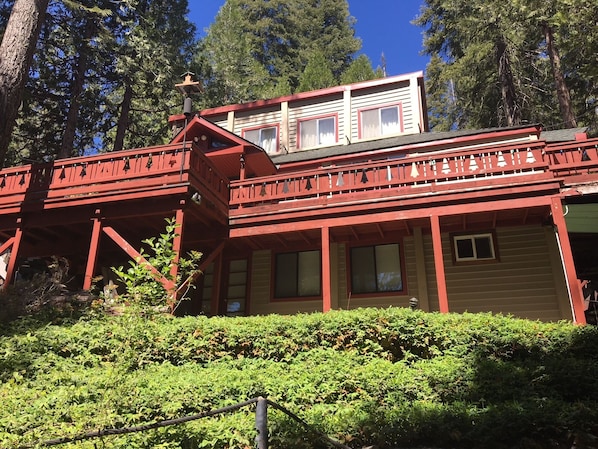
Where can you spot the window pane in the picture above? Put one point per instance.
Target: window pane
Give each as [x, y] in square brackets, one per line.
[326, 131]
[390, 120]
[464, 248]
[483, 248]
[238, 265]
[370, 124]
[388, 267]
[309, 273]
[363, 270]
[286, 276]
[268, 140]
[309, 133]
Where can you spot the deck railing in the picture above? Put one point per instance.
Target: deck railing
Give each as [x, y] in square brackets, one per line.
[109, 174]
[574, 158]
[441, 170]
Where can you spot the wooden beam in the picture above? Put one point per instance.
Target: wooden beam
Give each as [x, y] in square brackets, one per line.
[14, 254]
[379, 229]
[439, 264]
[326, 288]
[136, 256]
[202, 267]
[92, 256]
[254, 228]
[573, 284]
[177, 243]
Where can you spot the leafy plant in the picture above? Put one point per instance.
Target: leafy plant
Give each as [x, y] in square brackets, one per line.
[149, 280]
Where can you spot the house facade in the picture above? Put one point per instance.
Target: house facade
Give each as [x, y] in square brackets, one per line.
[332, 199]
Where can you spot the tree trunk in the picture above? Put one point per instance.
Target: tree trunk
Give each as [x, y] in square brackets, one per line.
[16, 54]
[562, 91]
[507, 85]
[123, 118]
[70, 128]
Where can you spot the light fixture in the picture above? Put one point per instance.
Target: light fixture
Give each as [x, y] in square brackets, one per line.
[196, 198]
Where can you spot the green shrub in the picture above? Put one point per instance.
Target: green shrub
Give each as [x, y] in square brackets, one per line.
[393, 377]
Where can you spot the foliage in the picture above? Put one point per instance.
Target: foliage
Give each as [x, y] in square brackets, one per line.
[491, 66]
[144, 287]
[393, 377]
[258, 49]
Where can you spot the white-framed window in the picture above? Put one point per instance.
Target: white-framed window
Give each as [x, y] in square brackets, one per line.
[266, 137]
[380, 121]
[319, 131]
[297, 274]
[474, 247]
[376, 269]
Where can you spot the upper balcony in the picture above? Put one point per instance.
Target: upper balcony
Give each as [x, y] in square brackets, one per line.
[125, 175]
[450, 175]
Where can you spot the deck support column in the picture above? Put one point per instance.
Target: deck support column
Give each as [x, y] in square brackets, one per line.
[14, 255]
[573, 285]
[92, 257]
[439, 264]
[326, 291]
[177, 243]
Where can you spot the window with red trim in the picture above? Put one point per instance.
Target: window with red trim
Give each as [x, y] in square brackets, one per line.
[297, 274]
[266, 137]
[380, 121]
[376, 269]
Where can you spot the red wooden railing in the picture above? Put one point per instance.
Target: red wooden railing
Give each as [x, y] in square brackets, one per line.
[111, 175]
[441, 169]
[574, 158]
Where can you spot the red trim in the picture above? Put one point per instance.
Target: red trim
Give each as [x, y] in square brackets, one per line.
[317, 117]
[93, 253]
[399, 105]
[311, 94]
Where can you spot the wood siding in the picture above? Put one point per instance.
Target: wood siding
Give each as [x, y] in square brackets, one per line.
[525, 282]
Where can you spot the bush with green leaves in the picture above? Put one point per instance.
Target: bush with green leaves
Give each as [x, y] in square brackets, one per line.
[387, 377]
[143, 286]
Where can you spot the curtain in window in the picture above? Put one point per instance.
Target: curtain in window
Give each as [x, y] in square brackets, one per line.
[308, 133]
[370, 124]
[327, 132]
[389, 118]
[268, 140]
[388, 268]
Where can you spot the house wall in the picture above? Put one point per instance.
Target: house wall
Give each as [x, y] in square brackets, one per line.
[302, 110]
[527, 281]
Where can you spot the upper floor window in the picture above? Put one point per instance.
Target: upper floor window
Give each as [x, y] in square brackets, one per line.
[297, 274]
[380, 121]
[474, 247]
[320, 131]
[376, 269]
[267, 138]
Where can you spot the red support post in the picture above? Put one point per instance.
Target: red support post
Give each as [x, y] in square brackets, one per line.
[439, 264]
[14, 254]
[177, 244]
[326, 293]
[92, 256]
[573, 284]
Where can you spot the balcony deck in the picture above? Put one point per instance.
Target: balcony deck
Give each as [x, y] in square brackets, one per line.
[152, 172]
[415, 180]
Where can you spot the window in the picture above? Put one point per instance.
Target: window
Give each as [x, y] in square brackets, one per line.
[297, 274]
[236, 289]
[381, 121]
[376, 269]
[321, 131]
[474, 247]
[267, 138]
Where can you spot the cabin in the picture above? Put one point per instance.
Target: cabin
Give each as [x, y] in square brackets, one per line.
[332, 199]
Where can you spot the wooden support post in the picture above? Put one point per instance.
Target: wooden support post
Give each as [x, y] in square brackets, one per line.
[573, 284]
[14, 255]
[92, 256]
[177, 243]
[216, 283]
[439, 264]
[326, 293]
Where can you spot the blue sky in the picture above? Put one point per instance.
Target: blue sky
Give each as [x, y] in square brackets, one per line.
[384, 26]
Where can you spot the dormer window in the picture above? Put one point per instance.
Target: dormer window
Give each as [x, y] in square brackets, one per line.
[381, 121]
[266, 137]
[316, 132]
